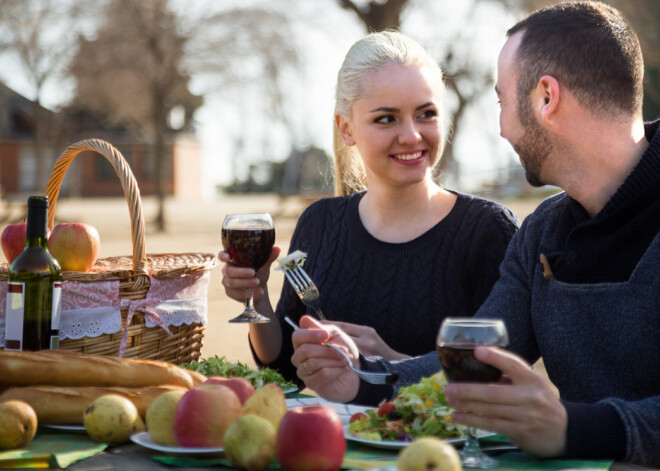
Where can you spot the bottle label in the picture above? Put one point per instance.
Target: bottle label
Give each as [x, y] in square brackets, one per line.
[14, 316]
[57, 306]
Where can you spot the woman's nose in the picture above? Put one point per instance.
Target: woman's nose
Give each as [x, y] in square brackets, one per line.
[409, 132]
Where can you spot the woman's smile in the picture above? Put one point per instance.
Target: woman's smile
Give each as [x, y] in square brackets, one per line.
[410, 158]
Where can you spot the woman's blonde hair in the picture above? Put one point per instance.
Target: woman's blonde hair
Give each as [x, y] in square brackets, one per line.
[368, 55]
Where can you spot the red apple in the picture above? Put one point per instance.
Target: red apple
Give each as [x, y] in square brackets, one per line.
[241, 386]
[203, 414]
[75, 245]
[13, 240]
[310, 438]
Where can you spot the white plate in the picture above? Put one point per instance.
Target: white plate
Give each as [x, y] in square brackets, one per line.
[290, 390]
[397, 445]
[144, 439]
[65, 427]
[345, 411]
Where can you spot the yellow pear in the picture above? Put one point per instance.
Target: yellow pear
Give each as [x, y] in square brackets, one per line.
[112, 418]
[268, 402]
[160, 417]
[429, 453]
[249, 443]
[18, 424]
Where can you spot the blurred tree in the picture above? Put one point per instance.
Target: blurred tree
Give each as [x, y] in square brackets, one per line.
[41, 36]
[377, 15]
[139, 65]
[131, 74]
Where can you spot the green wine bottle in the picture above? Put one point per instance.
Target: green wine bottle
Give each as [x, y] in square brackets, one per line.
[34, 288]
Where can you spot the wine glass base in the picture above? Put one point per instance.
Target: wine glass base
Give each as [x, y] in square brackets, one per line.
[250, 318]
[477, 460]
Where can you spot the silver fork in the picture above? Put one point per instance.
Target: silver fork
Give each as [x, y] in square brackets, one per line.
[368, 376]
[304, 288]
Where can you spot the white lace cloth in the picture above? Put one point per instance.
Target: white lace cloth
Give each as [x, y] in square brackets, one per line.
[93, 309]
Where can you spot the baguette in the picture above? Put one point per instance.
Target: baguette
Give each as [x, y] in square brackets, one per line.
[65, 405]
[65, 368]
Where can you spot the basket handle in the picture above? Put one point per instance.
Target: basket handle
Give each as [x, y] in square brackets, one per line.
[128, 183]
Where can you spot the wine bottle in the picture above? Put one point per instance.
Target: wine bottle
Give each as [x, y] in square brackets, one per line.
[34, 288]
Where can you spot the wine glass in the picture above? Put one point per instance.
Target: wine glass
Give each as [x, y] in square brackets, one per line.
[457, 339]
[249, 239]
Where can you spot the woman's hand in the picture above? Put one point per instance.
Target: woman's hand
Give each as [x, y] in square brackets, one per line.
[322, 369]
[368, 341]
[237, 279]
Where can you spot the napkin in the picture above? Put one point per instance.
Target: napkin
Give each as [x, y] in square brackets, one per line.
[48, 450]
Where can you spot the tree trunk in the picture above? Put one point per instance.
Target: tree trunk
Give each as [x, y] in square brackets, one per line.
[159, 125]
[448, 160]
[378, 16]
[40, 157]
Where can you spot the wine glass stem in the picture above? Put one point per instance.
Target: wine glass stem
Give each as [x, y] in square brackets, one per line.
[472, 456]
[248, 300]
[472, 443]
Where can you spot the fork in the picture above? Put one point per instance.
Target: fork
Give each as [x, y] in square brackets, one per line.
[304, 288]
[368, 376]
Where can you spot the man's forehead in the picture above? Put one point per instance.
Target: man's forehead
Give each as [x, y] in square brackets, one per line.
[508, 52]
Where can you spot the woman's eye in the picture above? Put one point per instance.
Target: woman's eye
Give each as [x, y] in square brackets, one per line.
[387, 119]
[429, 114]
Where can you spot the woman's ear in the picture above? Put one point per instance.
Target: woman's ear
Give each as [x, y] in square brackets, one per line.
[546, 97]
[344, 128]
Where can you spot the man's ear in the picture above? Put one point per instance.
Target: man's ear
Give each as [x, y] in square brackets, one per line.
[546, 98]
[344, 128]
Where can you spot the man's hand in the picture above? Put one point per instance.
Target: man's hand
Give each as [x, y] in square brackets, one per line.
[322, 369]
[522, 406]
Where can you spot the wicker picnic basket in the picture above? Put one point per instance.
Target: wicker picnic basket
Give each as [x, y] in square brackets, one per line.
[185, 342]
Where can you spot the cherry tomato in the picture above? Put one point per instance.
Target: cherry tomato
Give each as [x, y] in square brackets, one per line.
[356, 416]
[386, 408]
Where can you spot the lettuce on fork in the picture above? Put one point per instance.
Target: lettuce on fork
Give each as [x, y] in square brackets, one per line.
[289, 261]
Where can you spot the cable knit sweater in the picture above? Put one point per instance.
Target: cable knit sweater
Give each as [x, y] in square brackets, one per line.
[404, 290]
[599, 334]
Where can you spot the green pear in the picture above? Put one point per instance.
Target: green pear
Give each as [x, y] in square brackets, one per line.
[112, 418]
[429, 453]
[268, 402]
[160, 417]
[249, 442]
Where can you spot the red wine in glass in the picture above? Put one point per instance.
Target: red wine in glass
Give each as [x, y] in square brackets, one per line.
[249, 239]
[459, 363]
[248, 247]
[457, 339]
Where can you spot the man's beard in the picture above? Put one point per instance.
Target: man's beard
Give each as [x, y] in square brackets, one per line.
[534, 146]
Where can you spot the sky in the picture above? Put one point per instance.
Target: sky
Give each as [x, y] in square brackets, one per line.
[323, 38]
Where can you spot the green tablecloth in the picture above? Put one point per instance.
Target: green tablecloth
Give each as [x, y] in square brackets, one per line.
[51, 450]
[363, 457]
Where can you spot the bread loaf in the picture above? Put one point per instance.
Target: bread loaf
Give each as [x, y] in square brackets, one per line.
[65, 368]
[65, 405]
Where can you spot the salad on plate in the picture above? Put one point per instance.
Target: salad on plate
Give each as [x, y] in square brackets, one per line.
[418, 410]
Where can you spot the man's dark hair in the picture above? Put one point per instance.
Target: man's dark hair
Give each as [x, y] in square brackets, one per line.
[590, 48]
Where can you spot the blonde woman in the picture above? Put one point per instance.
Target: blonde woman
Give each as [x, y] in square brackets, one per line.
[393, 253]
